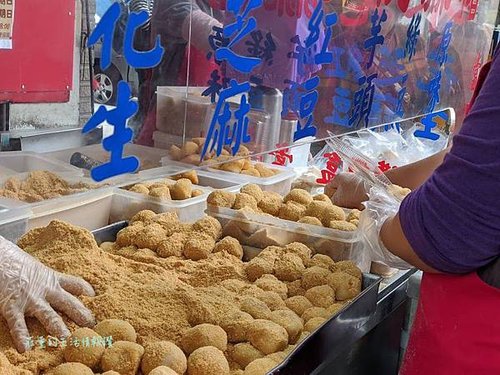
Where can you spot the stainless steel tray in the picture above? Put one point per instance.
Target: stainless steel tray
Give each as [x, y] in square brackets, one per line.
[324, 343]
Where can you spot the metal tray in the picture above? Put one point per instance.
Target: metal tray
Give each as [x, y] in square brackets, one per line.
[328, 340]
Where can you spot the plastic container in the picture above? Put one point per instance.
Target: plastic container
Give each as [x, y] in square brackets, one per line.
[163, 140]
[13, 221]
[260, 231]
[280, 183]
[187, 209]
[23, 161]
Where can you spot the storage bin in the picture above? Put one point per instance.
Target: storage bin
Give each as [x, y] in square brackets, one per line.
[23, 161]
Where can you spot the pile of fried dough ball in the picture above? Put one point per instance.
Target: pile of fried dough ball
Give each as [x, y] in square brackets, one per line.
[167, 189]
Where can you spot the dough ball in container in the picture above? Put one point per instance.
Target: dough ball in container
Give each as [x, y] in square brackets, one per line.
[244, 353]
[321, 260]
[127, 235]
[234, 166]
[332, 213]
[119, 330]
[204, 335]
[245, 201]
[251, 172]
[295, 288]
[263, 170]
[317, 209]
[257, 267]
[199, 246]
[235, 324]
[209, 225]
[299, 249]
[314, 323]
[189, 148]
[207, 360]
[322, 198]
[123, 357]
[272, 300]
[342, 225]
[182, 189]
[253, 190]
[289, 267]
[196, 193]
[163, 370]
[221, 198]
[144, 216]
[311, 221]
[200, 141]
[175, 153]
[139, 188]
[298, 304]
[292, 211]
[315, 276]
[335, 308]
[168, 220]
[303, 336]
[162, 192]
[290, 321]
[354, 214]
[315, 312]
[260, 366]
[321, 296]
[345, 286]
[354, 222]
[150, 236]
[230, 245]
[347, 266]
[69, 368]
[87, 355]
[173, 245]
[255, 307]
[271, 203]
[272, 284]
[300, 196]
[190, 175]
[267, 336]
[163, 353]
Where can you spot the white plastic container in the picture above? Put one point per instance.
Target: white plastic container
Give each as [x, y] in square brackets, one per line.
[23, 161]
[260, 231]
[188, 209]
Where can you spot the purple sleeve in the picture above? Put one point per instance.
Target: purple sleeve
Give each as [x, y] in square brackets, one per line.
[453, 220]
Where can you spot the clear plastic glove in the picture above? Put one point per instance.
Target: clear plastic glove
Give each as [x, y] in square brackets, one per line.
[29, 288]
[347, 190]
[380, 207]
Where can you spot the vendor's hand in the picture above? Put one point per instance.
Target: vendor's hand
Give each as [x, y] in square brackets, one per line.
[347, 190]
[29, 288]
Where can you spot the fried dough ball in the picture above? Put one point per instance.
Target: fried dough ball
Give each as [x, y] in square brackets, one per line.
[245, 200]
[299, 249]
[255, 307]
[348, 267]
[278, 357]
[140, 188]
[251, 172]
[207, 360]
[292, 211]
[263, 170]
[204, 335]
[175, 153]
[271, 203]
[144, 216]
[120, 330]
[87, 355]
[123, 357]
[257, 267]
[230, 245]
[193, 159]
[320, 260]
[244, 353]
[289, 267]
[210, 226]
[303, 336]
[354, 214]
[234, 166]
[69, 368]
[236, 325]
[107, 246]
[315, 276]
[317, 209]
[189, 148]
[332, 213]
[253, 190]
[126, 236]
[163, 353]
[355, 222]
[272, 300]
[196, 193]
[260, 366]
[322, 198]
[289, 321]
[298, 304]
[315, 312]
[163, 370]
[190, 175]
[342, 225]
[198, 247]
[172, 246]
[310, 220]
[300, 196]
[295, 288]
[267, 336]
[345, 286]
[200, 141]
[313, 323]
[321, 296]
[221, 198]
[162, 192]
[272, 284]
[182, 189]
[335, 308]
[167, 220]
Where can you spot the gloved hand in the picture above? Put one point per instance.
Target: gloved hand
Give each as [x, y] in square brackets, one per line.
[347, 190]
[381, 206]
[29, 288]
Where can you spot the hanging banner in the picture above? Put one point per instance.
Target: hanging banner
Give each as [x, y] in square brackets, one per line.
[6, 23]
